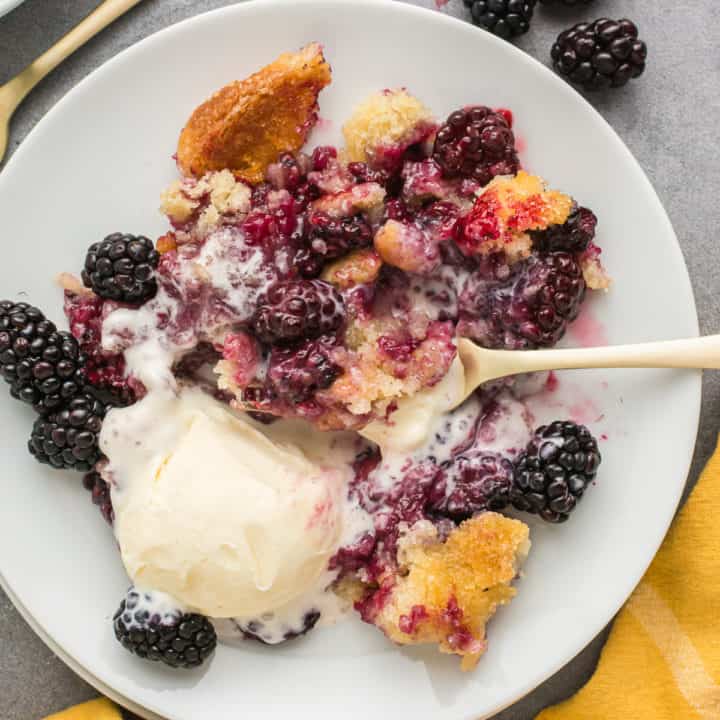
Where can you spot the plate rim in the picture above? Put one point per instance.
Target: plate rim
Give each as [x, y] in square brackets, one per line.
[249, 6]
[7, 6]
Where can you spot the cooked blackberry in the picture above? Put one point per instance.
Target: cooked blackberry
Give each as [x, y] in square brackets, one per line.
[477, 143]
[531, 309]
[100, 492]
[505, 18]
[552, 474]
[363, 173]
[263, 630]
[573, 236]
[69, 437]
[298, 310]
[44, 366]
[147, 625]
[330, 238]
[122, 267]
[296, 373]
[601, 54]
[308, 264]
[104, 372]
[474, 482]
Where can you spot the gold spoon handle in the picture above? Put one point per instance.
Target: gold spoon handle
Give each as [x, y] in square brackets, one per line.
[97, 20]
[694, 353]
[698, 353]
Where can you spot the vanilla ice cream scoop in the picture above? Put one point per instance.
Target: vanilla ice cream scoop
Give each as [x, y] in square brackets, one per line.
[212, 512]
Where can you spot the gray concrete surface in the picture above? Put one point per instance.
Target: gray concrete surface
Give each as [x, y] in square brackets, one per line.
[668, 119]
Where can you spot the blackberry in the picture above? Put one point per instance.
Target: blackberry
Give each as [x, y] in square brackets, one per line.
[330, 238]
[298, 310]
[554, 471]
[148, 625]
[100, 492]
[295, 374]
[600, 54]
[573, 236]
[365, 174]
[44, 366]
[308, 264]
[262, 631]
[122, 268]
[531, 309]
[473, 482]
[69, 438]
[505, 18]
[104, 372]
[476, 143]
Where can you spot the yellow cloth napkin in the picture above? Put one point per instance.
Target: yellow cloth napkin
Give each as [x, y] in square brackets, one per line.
[662, 660]
[100, 709]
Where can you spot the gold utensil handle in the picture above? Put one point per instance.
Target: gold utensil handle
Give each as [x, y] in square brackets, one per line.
[97, 20]
[695, 353]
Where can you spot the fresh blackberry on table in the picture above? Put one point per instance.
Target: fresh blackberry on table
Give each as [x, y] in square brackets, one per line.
[601, 54]
[329, 238]
[573, 236]
[100, 493]
[294, 310]
[474, 482]
[296, 373]
[122, 267]
[44, 366]
[553, 472]
[149, 626]
[258, 630]
[505, 18]
[531, 309]
[69, 438]
[476, 143]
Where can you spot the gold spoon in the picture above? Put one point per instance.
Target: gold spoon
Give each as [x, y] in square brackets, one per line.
[14, 91]
[481, 365]
[410, 425]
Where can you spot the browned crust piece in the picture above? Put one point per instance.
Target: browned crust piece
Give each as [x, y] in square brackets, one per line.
[247, 124]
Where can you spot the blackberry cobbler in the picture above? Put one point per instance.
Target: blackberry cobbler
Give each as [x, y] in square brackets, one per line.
[245, 393]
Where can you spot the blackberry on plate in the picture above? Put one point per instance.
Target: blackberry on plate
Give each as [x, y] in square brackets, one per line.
[100, 492]
[573, 236]
[44, 366]
[69, 438]
[296, 373]
[122, 267]
[601, 54]
[505, 18]
[531, 309]
[294, 310]
[148, 625]
[555, 469]
[473, 482]
[477, 143]
[265, 631]
[104, 372]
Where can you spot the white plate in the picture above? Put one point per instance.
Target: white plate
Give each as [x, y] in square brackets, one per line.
[96, 164]
[7, 5]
